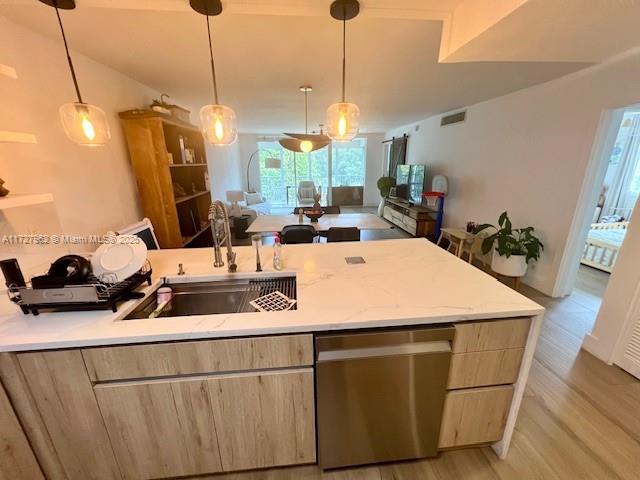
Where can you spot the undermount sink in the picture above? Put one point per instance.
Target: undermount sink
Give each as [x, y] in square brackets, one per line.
[213, 297]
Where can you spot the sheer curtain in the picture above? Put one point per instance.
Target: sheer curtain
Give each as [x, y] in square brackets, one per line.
[625, 187]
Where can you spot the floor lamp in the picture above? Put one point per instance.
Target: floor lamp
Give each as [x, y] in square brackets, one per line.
[269, 162]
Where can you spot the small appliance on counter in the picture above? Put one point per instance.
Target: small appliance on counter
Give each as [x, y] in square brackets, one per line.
[75, 283]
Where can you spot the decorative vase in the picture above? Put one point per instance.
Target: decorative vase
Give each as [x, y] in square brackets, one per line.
[381, 207]
[316, 204]
[513, 266]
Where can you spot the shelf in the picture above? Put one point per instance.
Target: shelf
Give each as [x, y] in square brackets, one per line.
[188, 240]
[189, 197]
[187, 165]
[14, 200]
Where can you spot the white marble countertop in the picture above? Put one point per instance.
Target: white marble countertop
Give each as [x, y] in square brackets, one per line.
[403, 282]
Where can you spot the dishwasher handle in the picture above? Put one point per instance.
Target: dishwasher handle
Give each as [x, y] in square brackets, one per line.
[440, 346]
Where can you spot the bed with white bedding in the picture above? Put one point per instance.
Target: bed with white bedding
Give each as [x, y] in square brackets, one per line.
[603, 243]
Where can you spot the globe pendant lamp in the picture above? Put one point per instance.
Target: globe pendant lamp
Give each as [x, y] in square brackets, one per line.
[343, 119]
[217, 122]
[84, 124]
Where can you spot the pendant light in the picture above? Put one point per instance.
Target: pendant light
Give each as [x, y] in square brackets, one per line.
[343, 119]
[217, 122]
[305, 143]
[84, 124]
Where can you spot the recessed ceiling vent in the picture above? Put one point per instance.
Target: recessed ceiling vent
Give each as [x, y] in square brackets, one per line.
[453, 118]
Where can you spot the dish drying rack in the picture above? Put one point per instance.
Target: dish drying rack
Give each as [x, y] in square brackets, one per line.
[108, 293]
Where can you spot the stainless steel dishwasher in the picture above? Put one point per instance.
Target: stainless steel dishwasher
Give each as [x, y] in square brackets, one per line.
[380, 394]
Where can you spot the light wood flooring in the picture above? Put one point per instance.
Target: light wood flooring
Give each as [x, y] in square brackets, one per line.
[580, 418]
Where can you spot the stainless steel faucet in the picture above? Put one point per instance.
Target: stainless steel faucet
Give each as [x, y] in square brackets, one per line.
[217, 211]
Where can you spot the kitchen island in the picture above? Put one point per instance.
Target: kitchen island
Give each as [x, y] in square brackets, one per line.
[102, 397]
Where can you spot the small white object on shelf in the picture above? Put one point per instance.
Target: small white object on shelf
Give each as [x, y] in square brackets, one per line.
[14, 200]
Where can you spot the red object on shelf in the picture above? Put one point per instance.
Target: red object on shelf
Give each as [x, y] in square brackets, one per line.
[433, 194]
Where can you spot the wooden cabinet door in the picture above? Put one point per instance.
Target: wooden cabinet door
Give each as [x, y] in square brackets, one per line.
[264, 419]
[161, 428]
[474, 416]
[64, 398]
[16, 457]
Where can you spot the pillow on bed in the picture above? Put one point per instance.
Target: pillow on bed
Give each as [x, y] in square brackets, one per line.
[253, 198]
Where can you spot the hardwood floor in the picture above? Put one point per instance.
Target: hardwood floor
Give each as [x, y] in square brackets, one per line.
[579, 417]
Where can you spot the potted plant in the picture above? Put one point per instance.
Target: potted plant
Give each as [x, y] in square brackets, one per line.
[515, 247]
[384, 185]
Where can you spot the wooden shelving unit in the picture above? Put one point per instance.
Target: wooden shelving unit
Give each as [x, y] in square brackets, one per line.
[179, 220]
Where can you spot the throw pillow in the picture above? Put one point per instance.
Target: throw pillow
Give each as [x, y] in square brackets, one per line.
[252, 198]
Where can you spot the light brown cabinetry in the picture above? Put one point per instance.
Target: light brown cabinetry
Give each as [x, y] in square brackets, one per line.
[477, 369]
[16, 457]
[486, 361]
[190, 426]
[203, 356]
[475, 415]
[64, 398]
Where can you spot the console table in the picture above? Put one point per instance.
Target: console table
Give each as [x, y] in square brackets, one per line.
[417, 220]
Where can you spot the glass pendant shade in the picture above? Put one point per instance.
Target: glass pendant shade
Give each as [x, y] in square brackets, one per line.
[218, 124]
[85, 124]
[306, 146]
[343, 121]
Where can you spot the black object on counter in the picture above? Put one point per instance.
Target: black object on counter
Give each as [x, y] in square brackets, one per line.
[73, 269]
[13, 277]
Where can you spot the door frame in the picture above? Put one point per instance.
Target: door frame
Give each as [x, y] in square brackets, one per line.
[605, 139]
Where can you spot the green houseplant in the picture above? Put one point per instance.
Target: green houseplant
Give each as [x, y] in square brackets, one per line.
[385, 184]
[515, 247]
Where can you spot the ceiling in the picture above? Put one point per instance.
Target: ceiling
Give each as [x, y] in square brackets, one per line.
[266, 49]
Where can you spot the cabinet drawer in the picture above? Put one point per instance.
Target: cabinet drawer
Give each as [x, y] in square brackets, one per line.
[205, 356]
[491, 335]
[477, 369]
[209, 424]
[474, 416]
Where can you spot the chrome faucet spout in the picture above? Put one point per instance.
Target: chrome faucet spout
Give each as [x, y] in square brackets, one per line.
[218, 211]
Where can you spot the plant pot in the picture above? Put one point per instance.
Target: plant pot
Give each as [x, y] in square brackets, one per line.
[381, 207]
[514, 266]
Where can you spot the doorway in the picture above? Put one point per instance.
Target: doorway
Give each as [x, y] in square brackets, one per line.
[610, 191]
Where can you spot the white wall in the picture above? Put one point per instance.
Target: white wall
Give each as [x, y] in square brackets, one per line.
[94, 188]
[527, 153]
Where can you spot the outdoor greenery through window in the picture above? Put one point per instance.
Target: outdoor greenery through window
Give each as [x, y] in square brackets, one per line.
[340, 164]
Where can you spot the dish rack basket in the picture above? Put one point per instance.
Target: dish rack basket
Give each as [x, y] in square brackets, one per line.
[108, 293]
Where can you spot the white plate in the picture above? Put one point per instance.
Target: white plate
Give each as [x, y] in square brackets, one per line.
[115, 262]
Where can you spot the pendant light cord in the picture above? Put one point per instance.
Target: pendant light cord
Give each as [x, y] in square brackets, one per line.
[344, 52]
[306, 116]
[213, 67]
[66, 48]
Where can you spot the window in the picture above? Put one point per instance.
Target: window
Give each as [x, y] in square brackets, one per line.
[348, 163]
[345, 160]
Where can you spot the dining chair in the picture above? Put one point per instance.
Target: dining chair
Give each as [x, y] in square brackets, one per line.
[292, 234]
[343, 234]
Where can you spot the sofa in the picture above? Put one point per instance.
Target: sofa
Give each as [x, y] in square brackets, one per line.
[254, 204]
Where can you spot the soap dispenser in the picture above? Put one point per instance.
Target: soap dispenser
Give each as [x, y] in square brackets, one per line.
[278, 263]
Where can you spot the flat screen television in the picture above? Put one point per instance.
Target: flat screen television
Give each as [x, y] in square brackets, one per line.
[410, 182]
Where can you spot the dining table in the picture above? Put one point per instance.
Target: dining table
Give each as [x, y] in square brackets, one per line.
[275, 223]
